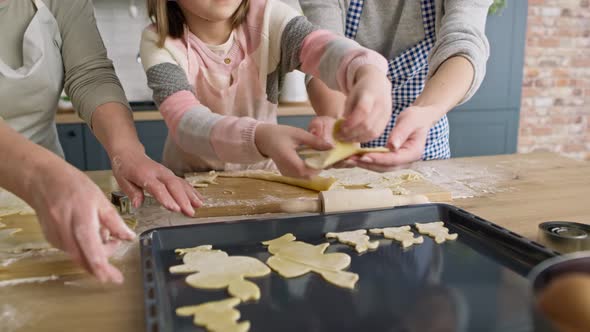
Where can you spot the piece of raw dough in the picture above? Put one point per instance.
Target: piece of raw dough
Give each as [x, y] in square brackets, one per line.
[437, 231]
[215, 269]
[295, 258]
[401, 234]
[357, 239]
[341, 151]
[216, 316]
[316, 183]
[200, 180]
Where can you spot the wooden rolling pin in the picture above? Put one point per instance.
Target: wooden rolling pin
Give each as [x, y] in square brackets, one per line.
[351, 200]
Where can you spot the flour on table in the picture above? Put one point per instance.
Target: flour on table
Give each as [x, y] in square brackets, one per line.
[360, 177]
[200, 180]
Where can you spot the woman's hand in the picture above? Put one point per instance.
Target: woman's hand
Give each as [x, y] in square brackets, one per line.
[280, 143]
[136, 172]
[407, 141]
[368, 106]
[73, 213]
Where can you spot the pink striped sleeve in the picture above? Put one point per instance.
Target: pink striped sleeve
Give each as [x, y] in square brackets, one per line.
[335, 59]
[174, 107]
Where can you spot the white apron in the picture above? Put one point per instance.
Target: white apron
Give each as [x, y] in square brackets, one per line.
[29, 94]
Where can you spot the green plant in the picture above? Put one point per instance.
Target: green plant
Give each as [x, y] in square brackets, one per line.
[497, 7]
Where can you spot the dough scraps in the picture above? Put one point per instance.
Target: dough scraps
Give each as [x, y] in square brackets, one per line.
[216, 316]
[357, 239]
[341, 151]
[401, 234]
[355, 178]
[437, 231]
[316, 183]
[295, 258]
[200, 180]
[215, 269]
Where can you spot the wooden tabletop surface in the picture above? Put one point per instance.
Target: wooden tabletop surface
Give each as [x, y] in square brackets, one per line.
[514, 191]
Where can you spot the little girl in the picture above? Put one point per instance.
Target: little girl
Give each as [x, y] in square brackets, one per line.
[215, 68]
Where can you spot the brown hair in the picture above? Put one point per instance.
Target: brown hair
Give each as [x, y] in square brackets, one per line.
[169, 19]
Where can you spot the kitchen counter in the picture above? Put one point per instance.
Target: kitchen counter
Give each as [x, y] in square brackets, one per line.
[295, 109]
[514, 191]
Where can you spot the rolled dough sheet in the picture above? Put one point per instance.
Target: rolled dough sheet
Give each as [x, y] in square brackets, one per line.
[357, 239]
[341, 151]
[317, 183]
[216, 316]
[295, 258]
[215, 269]
[401, 234]
[437, 231]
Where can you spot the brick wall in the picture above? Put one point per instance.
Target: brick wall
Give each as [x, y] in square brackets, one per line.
[555, 114]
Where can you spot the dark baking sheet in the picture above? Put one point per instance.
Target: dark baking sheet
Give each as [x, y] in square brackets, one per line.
[476, 283]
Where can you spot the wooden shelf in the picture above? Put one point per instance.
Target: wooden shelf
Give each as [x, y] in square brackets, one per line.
[295, 109]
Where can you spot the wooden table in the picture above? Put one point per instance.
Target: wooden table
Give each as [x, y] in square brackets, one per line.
[515, 191]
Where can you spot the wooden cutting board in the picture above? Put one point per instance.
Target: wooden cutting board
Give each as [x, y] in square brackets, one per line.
[242, 196]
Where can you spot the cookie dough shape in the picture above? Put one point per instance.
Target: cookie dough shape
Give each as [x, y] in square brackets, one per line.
[401, 234]
[357, 239]
[215, 269]
[316, 183]
[437, 231]
[200, 180]
[217, 316]
[295, 258]
[342, 150]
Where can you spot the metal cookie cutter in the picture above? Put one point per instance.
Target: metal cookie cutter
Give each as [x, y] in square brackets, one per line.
[565, 236]
[124, 205]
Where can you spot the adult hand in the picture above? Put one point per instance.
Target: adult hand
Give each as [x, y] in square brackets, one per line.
[407, 141]
[280, 143]
[135, 171]
[73, 212]
[368, 106]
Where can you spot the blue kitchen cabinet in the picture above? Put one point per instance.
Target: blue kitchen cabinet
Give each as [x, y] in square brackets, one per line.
[151, 133]
[71, 137]
[488, 123]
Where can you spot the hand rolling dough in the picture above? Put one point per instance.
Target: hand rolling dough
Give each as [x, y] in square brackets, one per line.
[357, 239]
[317, 183]
[295, 258]
[215, 269]
[341, 151]
[216, 316]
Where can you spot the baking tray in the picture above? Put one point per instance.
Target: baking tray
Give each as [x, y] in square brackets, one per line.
[476, 283]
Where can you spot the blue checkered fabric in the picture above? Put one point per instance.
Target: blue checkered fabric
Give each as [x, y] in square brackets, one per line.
[408, 74]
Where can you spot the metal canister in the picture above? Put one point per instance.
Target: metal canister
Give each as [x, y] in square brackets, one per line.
[565, 236]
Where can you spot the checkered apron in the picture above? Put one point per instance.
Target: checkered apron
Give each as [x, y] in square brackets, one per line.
[408, 74]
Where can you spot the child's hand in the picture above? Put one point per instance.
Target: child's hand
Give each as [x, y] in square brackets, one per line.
[280, 143]
[368, 106]
[322, 127]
